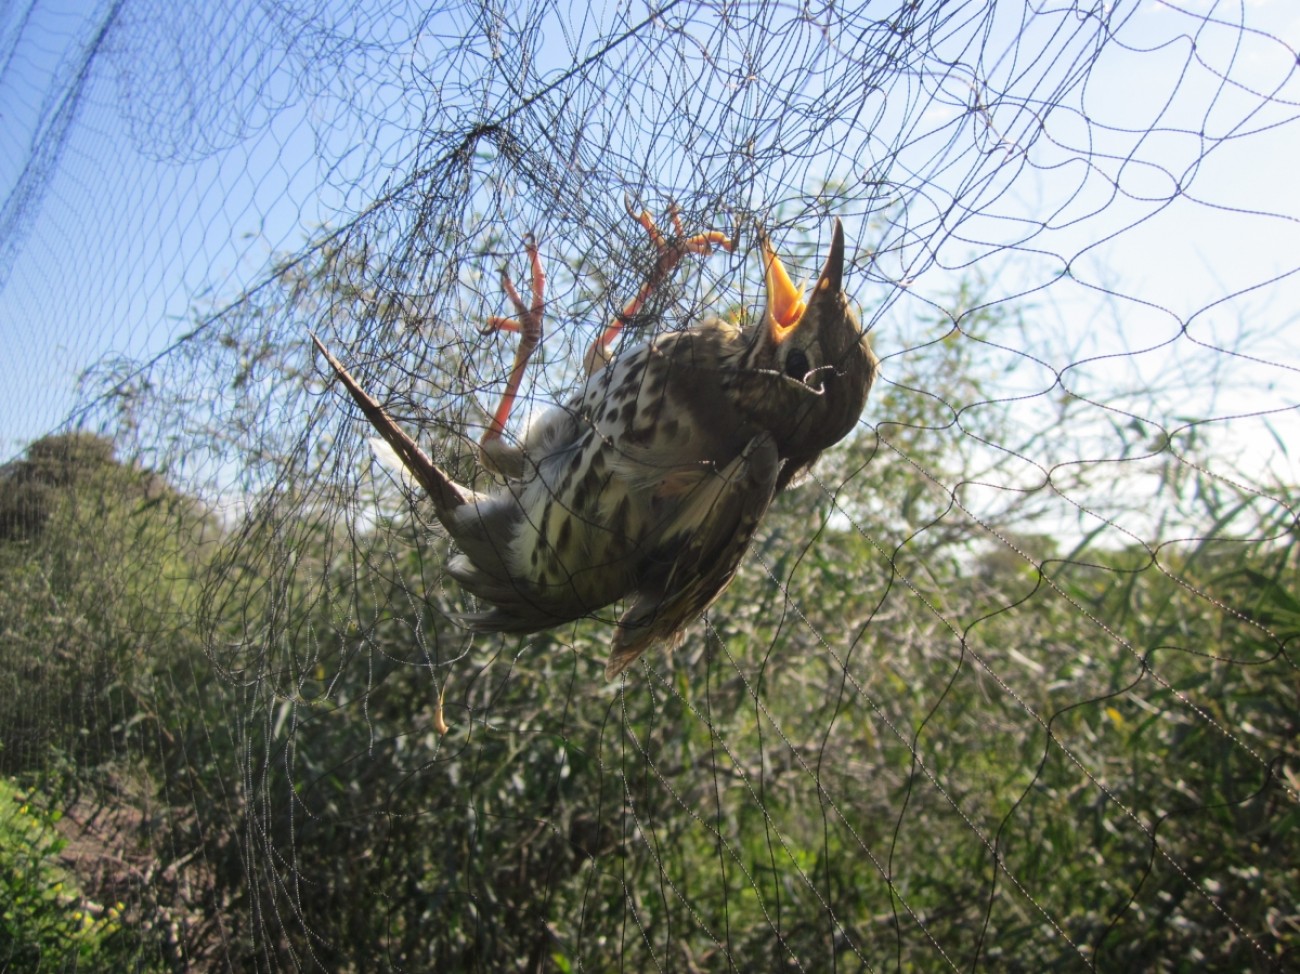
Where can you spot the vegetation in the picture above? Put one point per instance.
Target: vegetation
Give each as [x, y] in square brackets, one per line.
[905, 738]
[48, 923]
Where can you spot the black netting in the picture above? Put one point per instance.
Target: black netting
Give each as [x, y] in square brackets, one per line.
[1008, 683]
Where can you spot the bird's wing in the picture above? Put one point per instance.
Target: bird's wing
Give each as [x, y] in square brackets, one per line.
[708, 538]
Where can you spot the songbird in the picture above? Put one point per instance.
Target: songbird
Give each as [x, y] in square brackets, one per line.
[648, 484]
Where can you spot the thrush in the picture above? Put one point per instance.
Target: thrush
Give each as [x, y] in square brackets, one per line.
[647, 485]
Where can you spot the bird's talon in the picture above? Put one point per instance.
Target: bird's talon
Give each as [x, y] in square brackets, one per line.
[495, 324]
[670, 254]
[528, 325]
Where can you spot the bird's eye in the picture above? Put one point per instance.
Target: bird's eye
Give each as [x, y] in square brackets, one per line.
[796, 365]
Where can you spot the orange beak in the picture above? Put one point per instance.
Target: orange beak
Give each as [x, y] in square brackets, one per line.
[785, 303]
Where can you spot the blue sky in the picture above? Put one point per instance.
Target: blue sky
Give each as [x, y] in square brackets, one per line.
[124, 244]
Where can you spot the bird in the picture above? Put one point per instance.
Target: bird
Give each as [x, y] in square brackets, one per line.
[646, 486]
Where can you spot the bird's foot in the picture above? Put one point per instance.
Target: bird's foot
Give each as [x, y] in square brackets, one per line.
[528, 325]
[671, 251]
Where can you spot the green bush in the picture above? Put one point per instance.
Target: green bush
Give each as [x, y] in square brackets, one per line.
[46, 922]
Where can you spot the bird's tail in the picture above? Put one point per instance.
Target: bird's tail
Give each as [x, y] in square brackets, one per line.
[446, 494]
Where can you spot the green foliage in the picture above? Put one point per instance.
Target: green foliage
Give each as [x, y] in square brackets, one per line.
[46, 922]
[29, 488]
[93, 613]
[904, 728]
[89, 601]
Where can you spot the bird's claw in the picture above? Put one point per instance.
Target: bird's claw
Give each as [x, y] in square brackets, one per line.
[670, 253]
[527, 324]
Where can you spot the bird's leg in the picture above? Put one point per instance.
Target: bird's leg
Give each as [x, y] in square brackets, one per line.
[671, 252]
[528, 325]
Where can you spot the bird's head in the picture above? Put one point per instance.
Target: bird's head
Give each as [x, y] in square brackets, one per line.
[817, 346]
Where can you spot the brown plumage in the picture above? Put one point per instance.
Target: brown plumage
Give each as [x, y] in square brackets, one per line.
[649, 483]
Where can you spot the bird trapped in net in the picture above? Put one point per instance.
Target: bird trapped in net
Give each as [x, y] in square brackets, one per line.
[649, 483]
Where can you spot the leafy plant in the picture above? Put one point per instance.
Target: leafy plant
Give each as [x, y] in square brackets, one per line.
[46, 922]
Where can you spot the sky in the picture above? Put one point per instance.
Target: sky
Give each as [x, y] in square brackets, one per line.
[119, 246]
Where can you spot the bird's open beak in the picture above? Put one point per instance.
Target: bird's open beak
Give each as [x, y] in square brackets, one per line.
[785, 303]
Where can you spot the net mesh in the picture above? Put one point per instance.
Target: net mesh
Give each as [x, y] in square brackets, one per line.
[1009, 683]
